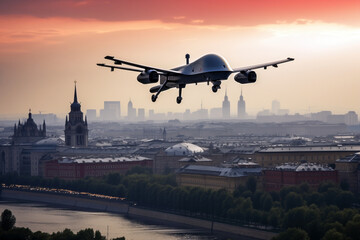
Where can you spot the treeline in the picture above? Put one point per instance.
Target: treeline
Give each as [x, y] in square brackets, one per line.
[8, 231]
[321, 214]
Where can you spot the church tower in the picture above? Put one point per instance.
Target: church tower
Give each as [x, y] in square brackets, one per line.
[226, 107]
[241, 107]
[76, 129]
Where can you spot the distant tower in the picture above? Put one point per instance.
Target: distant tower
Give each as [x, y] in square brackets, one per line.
[164, 134]
[241, 107]
[226, 107]
[131, 111]
[275, 107]
[76, 129]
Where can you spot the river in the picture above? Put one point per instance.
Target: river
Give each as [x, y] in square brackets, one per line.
[46, 218]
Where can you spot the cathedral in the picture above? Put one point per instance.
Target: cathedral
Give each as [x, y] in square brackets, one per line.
[76, 129]
[28, 132]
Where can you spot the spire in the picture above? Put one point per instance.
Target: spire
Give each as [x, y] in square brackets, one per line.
[44, 128]
[226, 97]
[86, 120]
[75, 94]
[29, 113]
[66, 120]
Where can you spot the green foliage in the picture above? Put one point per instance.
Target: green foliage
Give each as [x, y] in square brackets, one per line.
[40, 236]
[333, 234]
[293, 200]
[293, 234]
[251, 184]
[16, 234]
[139, 170]
[352, 229]
[7, 220]
[320, 214]
[344, 185]
[67, 234]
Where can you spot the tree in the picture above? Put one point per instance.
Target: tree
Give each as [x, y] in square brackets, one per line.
[98, 236]
[344, 185]
[7, 220]
[251, 184]
[352, 230]
[67, 234]
[333, 234]
[40, 236]
[87, 234]
[292, 234]
[293, 200]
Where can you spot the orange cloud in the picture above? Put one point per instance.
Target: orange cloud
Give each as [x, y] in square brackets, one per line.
[213, 12]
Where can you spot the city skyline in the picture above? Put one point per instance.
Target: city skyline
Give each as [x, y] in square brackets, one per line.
[45, 46]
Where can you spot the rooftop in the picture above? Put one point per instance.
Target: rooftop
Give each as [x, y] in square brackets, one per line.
[350, 148]
[183, 149]
[352, 158]
[219, 171]
[302, 167]
[65, 160]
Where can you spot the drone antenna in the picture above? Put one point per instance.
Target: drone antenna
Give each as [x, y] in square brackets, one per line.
[187, 56]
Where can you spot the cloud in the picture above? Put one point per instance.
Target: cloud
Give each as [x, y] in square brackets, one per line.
[214, 12]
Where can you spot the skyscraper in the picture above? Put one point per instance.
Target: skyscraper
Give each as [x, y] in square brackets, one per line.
[241, 107]
[111, 110]
[226, 107]
[131, 111]
[76, 129]
[275, 107]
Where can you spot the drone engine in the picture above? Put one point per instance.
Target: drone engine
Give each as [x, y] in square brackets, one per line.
[148, 76]
[245, 77]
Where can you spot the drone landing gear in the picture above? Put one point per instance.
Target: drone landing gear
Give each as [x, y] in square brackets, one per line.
[154, 96]
[216, 86]
[179, 98]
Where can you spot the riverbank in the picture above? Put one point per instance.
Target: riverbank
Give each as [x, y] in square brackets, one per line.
[122, 207]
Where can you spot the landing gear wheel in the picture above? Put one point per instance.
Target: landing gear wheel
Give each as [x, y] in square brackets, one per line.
[178, 100]
[153, 98]
[214, 88]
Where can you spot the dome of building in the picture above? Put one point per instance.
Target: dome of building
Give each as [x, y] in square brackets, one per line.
[183, 149]
[49, 142]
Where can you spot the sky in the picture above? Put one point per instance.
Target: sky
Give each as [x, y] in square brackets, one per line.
[47, 45]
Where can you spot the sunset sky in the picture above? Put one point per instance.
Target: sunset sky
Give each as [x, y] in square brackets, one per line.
[46, 45]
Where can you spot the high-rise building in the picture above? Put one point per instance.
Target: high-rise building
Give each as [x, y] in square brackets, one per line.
[111, 111]
[76, 129]
[216, 113]
[351, 118]
[151, 114]
[131, 111]
[91, 114]
[275, 107]
[241, 107]
[226, 107]
[141, 114]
